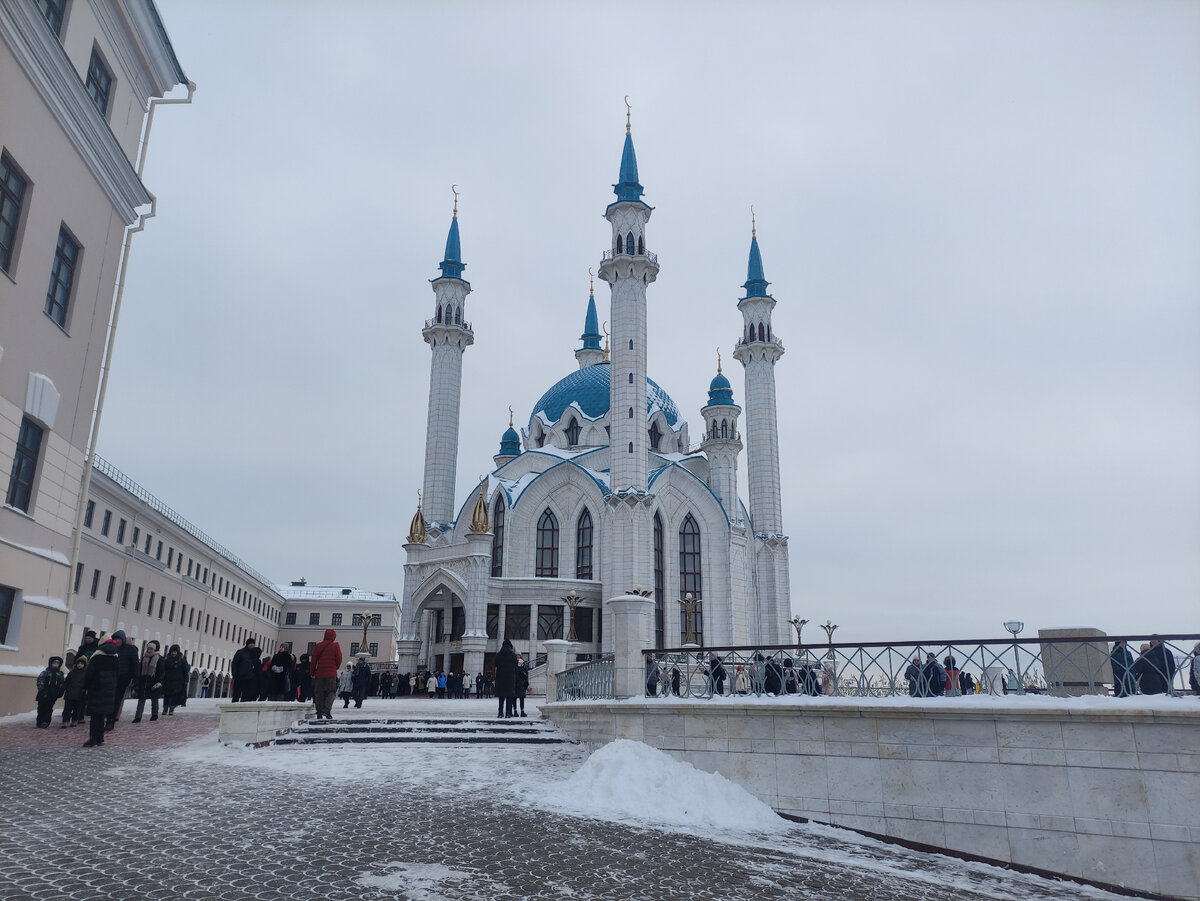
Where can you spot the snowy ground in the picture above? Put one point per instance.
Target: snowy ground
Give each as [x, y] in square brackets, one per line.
[430, 823]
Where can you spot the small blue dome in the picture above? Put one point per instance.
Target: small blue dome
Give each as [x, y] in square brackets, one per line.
[510, 443]
[589, 388]
[720, 392]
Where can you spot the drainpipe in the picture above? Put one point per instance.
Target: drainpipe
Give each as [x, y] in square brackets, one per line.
[86, 480]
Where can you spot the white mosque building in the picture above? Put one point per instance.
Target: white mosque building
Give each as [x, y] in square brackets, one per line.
[602, 491]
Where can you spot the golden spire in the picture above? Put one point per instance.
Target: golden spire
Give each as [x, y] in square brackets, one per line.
[416, 531]
[605, 329]
[627, 110]
[718, 361]
[753, 225]
[454, 188]
[479, 517]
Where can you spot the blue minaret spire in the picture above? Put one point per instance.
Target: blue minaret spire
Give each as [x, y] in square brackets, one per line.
[590, 353]
[627, 187]
[452, 266]
[756, 283]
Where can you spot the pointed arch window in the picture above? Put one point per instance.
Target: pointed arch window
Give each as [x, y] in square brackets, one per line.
[629, 245]
[641, 244]
[498, 537]
[546, 562]
[439, 314]
[458, 315]
[583, 546]
[724, 428]
[689, 574]
[573, 432]
[762, 335]
[620, 244]
[660, 580]
[655, 435]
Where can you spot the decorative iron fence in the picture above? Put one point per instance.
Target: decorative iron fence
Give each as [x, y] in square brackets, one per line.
[589, 681]
[1062, 667]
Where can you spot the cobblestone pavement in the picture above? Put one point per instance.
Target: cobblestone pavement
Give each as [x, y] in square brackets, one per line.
[129, 822]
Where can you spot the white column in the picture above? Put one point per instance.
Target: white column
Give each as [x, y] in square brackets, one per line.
[632, 622]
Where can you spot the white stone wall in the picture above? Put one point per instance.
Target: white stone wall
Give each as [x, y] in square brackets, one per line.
[447, 343]
[1105, 795]
[762, 440]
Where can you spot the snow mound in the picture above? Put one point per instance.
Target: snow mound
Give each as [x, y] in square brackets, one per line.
[631, 781]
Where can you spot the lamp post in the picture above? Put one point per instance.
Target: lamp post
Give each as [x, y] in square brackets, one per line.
[366, 621]
[830, 627]
[572, 600]
[689, 604]
[798, 624]
[1015, 626]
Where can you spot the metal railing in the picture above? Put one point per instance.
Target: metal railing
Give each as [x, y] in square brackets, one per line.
[105, 468]
[586, 681]
[612, 255]
[1062, 667]
[430, 323]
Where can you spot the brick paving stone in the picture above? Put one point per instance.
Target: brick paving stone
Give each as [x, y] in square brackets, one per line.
[132, 820]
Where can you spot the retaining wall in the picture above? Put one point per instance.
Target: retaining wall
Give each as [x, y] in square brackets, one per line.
[1111, 795]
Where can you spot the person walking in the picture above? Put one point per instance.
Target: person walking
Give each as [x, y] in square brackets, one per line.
[325, 662]
[281, 674]
[150, 681]
[127, 670]
[716, 674]
[175, 680]
[506, 680]
[100, 681]
[361, 682]
[244, 667]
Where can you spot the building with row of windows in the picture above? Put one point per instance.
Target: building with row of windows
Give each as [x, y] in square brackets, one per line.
[77, 82]
[602, 492]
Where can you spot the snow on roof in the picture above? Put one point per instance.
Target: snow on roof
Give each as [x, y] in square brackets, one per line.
[332, 593]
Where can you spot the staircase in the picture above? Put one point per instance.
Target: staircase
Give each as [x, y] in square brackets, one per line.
[395, 731]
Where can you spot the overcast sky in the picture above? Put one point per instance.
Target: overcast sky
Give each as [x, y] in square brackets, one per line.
[981, 222]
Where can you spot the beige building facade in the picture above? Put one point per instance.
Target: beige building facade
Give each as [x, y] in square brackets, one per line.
[311, 609]
[77, 83]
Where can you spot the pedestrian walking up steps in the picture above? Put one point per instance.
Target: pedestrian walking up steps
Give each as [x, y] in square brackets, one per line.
[378, 730]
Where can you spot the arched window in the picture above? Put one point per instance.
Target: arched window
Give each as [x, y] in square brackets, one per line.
[724, 429]
[768, 331]
[714, 429]
[631, 447]
[750, 332]
[631, 344]
[641, 244]
[660, 581]
[629, 245]
[631, 378]
[546, 563]
[655, 435]
[762, 335]
[583, 546]
[631, 412]
[498, 537]
[689, 573]
[573, 432]
[619, 245]
[439, 315]
[458, 315]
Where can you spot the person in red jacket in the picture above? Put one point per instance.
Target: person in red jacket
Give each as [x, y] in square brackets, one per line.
[325, 662]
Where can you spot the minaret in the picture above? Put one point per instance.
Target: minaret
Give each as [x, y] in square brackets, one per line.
[448, 334]
[628, 269]
[722, 443]
[758, 350]
[590, 354]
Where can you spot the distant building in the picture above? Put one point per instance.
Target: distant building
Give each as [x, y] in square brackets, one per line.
[76, 81]
[311, 609]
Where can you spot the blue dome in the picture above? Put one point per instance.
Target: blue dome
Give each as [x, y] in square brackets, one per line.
[510, 443]
[720, 392]
[589, 388]
[719, 383]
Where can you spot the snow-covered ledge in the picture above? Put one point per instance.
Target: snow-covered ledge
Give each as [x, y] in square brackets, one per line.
[260, 722]
[1101, 789]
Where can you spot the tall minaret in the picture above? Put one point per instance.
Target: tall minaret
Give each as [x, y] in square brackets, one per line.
[448, 334]
[758, 350]
[628, 269]
[590, 354]
[722, 443]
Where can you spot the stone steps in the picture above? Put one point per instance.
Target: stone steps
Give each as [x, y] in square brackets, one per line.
[386, 730]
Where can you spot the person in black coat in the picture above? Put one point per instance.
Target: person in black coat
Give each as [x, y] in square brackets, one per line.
[1155, 669]
[1122, 670]
[361, 681]
[913, 676]
[244, 669]
[304, 678]
[101, 680]
[506, 679]
[773, 683]
[522, 680]
[75, 693]
[89, 644]
[716, 673]
[127, 671]
[150, 681]
[280, 675]
[933, 678]
[175, 680]
[51, 683]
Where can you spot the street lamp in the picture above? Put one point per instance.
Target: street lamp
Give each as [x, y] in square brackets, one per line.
[572, 600]
[1015, 626]
[798, 624]
[689, 605]
[362, 648]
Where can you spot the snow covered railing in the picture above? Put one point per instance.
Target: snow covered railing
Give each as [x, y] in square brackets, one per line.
[1063, 665]
[586, 681]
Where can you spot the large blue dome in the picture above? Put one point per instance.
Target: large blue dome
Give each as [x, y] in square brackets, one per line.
[589, 388]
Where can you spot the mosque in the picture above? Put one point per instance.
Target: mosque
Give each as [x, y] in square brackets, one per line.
[602, 491]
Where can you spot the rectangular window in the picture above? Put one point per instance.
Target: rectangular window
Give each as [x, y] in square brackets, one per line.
[88, 514]
[99, 83]
[162, 604]
[583, 623]
[373, 647]
[24, 468]
[95, 583]
[12, 196]
[493, 621]
[121, 532]
[356, 619]
[150, 605]
[179, 563]
[550, 623]
[353, 648]
[137, 533]
[377, 619]
[53, 11]
[106, 523]
[112, 587]
[125, 595]
[78, 576]
[191, 614]
[8, 597]
[62, 277]
[148, 540]
[170, 556]
[312, 646]
[516, 621]
[314, 619]
[171, 615]
[158, 551]
[137, 604]
[335, 619]
[291, 620]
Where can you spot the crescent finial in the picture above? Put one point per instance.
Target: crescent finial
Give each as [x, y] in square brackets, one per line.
[454, 188]
[591, 282]
[510, 416]
[718, 361]
[418, 498]
[628, 108]
[753, 224]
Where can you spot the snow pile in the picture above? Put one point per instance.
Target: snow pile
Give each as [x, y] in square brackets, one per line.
[628, 780]
[429, 882]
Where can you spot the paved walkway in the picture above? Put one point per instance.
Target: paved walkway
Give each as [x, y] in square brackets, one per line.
[149, 817]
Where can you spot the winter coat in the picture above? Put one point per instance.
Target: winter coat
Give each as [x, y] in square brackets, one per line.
[245, 665]
[51, 683]
[345, 681]
[1155, 670]
[1195, 671]
[913, 676]
[100, 679]
[74, 688]
[1121, 659]
[128, 659]
[175, 679]
[810, 680]
[933, 679]
[280, 675]
[150, 686]
[522, 681]
[773, 684]
[325, 662]
[361, 681]
[304, 675]
[506, 672]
